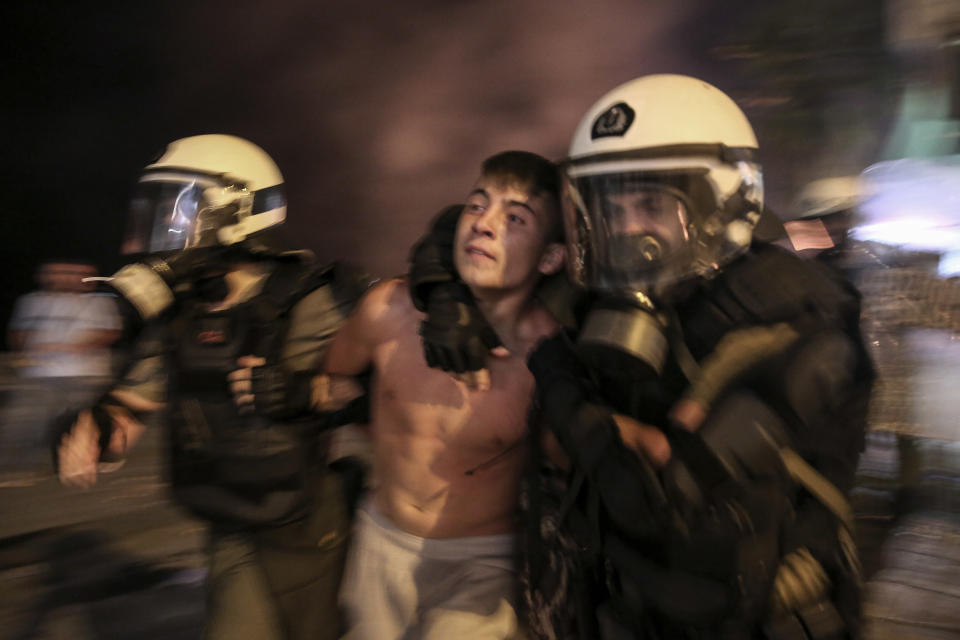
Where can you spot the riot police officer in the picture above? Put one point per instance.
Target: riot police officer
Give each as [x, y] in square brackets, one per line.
[710, 406]
[211, 288]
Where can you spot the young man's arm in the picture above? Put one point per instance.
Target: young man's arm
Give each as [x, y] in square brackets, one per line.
[350, 354]
[282, 388]
[352, 350]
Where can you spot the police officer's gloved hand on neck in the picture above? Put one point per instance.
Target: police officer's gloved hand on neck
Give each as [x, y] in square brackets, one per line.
[456, 336]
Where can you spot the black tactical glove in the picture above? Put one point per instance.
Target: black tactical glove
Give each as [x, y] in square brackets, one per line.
[431, 261]
[280, 394]
[456, 336]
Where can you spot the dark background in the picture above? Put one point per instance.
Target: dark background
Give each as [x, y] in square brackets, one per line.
[379, 113]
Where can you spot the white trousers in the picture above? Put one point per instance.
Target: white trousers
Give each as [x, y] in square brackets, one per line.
[401, 586]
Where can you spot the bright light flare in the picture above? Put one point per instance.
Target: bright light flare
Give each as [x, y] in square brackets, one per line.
[913, 204]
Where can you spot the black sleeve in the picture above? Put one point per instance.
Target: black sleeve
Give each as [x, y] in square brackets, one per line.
[822, 388]
[734, 453]
[812, 399]
[823, 391]
[585, 429]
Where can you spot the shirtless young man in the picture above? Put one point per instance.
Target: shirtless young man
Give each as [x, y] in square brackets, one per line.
[433, 551]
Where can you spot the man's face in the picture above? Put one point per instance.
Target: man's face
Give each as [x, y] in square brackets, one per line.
[648, 212]
[501, 240]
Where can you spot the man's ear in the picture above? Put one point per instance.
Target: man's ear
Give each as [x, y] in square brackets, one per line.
[552, 258]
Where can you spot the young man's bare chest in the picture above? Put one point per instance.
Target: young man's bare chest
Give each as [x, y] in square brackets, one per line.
[429, 403]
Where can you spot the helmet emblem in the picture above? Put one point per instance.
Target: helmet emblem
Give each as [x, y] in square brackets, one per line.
[613, 122]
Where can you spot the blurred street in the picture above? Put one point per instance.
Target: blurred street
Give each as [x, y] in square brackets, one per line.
[120, 561]
[115, 561]
[910, 544]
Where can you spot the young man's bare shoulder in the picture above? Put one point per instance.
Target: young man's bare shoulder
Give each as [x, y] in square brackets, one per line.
[388, 302]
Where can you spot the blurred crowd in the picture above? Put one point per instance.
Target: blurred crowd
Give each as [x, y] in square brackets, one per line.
[60, 339]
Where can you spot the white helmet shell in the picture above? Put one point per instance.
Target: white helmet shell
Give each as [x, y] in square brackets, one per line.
[204, 190]
[661, 122]
[670, 125]
[667, 110]
[829, 195]
[219, 154]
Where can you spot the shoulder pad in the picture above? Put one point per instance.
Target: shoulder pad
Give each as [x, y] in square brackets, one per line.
[770, 285]
[348, 282]
[290, 281]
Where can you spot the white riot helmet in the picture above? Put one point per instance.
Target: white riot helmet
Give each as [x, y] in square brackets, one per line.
[829, 195]
[662, 183]
[205, 191]
[826, 211]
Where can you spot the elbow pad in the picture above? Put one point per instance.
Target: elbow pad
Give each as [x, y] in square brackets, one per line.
[144, 289]
[149, 286]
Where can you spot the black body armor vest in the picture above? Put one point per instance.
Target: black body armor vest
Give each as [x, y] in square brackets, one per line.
[236, 469]
[624, 520]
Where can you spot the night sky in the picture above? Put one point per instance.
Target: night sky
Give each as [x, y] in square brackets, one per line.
[378, 113]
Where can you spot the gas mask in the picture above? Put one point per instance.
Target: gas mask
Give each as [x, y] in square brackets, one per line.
[636, 237]
[661, 186]
[624, 343]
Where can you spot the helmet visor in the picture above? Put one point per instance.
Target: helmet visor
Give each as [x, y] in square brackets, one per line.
[171, 214]
[630, 233]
